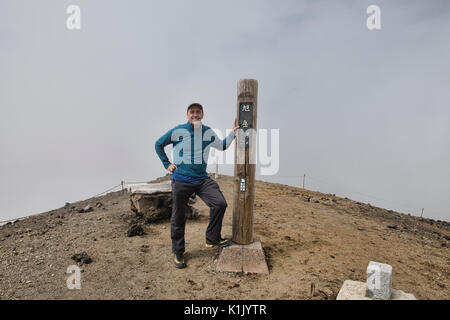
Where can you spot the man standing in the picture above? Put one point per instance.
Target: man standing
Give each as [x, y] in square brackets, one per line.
[191, 144]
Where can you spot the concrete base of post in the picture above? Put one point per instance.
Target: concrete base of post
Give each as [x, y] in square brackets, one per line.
[248, 258]
[356, 290]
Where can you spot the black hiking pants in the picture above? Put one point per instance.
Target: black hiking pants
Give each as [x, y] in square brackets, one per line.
[208, 190]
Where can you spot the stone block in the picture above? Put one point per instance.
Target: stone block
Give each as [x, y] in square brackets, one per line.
[248, 258]
[355, 290]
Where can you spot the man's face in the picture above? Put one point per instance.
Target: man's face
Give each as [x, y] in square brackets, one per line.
[195, 114]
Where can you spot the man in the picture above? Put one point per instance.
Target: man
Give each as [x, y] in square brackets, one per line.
[191, 144]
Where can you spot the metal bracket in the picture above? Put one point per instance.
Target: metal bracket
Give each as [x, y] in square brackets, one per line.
[242, 185]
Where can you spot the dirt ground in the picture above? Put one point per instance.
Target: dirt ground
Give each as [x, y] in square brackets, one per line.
[308, 238]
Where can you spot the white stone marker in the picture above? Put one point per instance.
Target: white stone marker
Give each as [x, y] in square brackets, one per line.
[379, 281]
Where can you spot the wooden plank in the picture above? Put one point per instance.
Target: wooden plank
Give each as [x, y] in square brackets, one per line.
[151, 188]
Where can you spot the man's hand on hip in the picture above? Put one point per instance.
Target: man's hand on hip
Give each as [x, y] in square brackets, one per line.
[171, 167]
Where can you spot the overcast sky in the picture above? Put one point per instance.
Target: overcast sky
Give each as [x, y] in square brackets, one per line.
[365, 114]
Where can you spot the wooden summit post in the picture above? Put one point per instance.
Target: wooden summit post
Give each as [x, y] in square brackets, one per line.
[245, 162]
[245, 253]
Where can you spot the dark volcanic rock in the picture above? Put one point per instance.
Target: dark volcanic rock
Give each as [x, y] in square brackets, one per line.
[156, 207]
[135, 230]
[82, 258]
[88, 208]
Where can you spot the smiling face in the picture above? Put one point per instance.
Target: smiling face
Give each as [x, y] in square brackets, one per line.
[194, 115]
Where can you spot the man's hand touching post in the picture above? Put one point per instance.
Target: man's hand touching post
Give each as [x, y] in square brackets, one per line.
[235, 126]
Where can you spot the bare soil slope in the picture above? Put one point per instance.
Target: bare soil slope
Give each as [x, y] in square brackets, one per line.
[308, 238]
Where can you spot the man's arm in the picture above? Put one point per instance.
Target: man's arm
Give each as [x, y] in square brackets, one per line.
[225, 143]
[165, 140]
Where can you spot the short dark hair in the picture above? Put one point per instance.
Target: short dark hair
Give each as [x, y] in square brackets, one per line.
[195, 104]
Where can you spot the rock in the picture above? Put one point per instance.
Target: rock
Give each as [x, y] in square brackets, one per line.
[438, 234]
[192, 213]
[152, 207]
[133, 207]
[82, 258]
[195, 286]
[192, 199]
[327, 293]
[312, 289]
[154, 202]
[135, 221]
[135, 230]
[392, 227]
[99, 204]
[88, 208]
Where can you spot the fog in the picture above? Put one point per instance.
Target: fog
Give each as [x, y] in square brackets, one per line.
[364, 114]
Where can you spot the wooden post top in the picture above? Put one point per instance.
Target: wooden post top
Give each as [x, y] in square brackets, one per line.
[247, 88]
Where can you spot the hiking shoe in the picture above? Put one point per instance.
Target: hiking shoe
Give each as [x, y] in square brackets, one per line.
[222, 243]
[178, 261]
